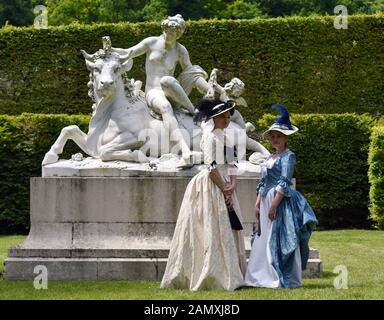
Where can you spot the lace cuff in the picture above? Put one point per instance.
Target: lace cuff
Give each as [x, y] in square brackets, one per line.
[283, 186]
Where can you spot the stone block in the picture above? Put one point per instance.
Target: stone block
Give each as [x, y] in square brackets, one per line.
[131, 269]
[58, 268]
[314, 269]
[120, 227]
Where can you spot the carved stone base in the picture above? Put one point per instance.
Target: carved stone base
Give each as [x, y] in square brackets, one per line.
[104, 264]
[110, 227]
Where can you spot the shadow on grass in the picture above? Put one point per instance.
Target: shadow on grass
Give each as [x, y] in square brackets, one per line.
[308, 286]
[328, 275]
[312, 286]
[319, 284]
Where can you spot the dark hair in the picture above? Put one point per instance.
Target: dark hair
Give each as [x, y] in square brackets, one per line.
[205, 109]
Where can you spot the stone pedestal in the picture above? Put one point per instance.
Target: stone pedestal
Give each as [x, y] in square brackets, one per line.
[111, 227]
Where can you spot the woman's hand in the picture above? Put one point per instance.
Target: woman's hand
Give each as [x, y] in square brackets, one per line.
[257, 211]
[228, 201]
[272, 213]
[275, 203]
[229, 189]
[210, 93]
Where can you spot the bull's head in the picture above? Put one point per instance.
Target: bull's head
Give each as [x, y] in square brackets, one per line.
[106, 67]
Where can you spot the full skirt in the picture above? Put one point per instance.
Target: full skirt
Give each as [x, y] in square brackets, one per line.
[205, 252]
[260, 269]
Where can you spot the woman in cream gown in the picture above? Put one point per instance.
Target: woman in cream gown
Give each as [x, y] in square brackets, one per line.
[205, 252]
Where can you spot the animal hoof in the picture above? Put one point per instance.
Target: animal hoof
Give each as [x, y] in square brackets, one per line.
[50, 157]
[197, 157]
[184, 163]
[140, 156]
[257, 158]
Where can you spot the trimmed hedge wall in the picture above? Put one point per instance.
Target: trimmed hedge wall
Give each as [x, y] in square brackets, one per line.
[304, 63]
[332, 153]
[376, 175]
[24, 140]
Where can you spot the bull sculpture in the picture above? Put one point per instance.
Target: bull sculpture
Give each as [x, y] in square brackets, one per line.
[122, 127]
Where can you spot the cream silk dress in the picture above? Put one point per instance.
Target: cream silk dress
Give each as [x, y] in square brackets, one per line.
[205, 252]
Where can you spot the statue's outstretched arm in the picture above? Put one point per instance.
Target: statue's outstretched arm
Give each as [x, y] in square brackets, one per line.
[136, 50]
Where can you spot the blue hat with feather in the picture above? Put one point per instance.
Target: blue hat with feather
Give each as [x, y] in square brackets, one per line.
[283, 123]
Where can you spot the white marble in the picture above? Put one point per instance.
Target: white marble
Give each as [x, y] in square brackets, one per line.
[164, 166]
[131, 125]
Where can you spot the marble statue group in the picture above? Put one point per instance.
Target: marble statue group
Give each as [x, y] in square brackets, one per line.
[133, 125]
[156, 196]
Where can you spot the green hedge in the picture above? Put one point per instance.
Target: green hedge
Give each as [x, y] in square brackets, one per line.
[24, 140]
[304, 63]
[332, 152]
[376, 175]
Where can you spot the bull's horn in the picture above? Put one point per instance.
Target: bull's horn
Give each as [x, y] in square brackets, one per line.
[125, 57]
[87, 56]
[90, 65]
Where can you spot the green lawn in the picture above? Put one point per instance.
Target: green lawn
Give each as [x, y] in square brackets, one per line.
[361, 251]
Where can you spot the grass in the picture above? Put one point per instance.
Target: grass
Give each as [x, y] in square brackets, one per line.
[360, 251]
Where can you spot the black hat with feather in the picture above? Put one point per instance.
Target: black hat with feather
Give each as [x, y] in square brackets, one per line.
[208, 109]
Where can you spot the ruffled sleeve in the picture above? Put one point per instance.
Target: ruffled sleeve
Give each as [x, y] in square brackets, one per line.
[284, 181]
[208, 147]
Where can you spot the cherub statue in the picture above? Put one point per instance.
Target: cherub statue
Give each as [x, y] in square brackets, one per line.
[232, 90]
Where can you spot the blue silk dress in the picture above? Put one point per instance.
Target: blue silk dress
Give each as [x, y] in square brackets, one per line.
[281, 251]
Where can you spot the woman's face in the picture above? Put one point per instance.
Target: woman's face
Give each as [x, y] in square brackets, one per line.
[278, 140]
[222, 120]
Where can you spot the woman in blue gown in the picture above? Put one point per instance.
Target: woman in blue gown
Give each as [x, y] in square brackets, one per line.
[280, 252]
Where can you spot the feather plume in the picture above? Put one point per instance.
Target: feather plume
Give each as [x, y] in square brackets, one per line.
[204, 109]
[284, 115]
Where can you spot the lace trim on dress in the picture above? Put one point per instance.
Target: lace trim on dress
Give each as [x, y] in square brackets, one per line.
[283, 186]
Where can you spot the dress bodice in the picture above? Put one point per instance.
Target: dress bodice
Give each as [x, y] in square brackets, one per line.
[277, 173]
[265, 165]
[218, 150]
